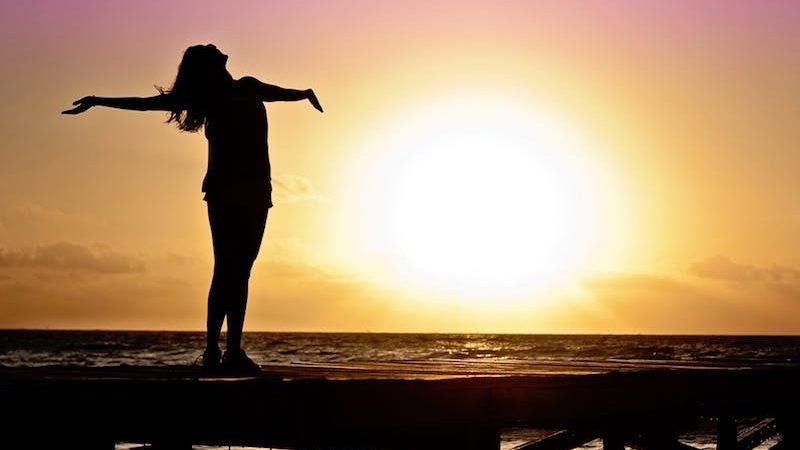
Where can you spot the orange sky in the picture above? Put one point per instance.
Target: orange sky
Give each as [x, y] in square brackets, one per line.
[529, 167]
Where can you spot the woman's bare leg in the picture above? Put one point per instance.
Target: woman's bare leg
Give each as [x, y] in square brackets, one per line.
[237, 230]
[216, 311]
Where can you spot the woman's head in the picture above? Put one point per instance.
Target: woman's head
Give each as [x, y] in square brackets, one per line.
[202, 76]
[203, 59]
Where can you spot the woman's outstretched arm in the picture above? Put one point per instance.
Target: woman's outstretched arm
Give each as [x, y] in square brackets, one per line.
[272, 93]
[162, 102]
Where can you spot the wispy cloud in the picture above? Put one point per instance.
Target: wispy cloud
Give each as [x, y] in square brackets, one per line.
[68, 256]
[633, 282]
[723, 268]
[631, 302]
[289, 188]
[285, 294]
[32, 214]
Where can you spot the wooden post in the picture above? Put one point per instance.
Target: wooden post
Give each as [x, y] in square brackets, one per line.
[789, 427]
[726, 433]
[613, 441]
[484, 439]
[449, 438]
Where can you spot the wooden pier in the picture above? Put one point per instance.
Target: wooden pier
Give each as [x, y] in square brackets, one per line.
[394, 406]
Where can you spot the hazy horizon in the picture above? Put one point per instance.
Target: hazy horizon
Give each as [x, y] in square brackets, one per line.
[199, 330]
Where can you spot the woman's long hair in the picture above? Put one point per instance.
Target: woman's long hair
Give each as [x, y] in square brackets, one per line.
[201, 79]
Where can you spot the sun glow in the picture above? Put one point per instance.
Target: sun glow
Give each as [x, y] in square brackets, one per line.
[480, 195]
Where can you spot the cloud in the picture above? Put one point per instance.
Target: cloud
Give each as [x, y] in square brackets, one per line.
[29, 213]
[284, 295]
[723, 268]
[633, 282]
[30, 223]
[637, 302]
[290, 291]
[293, 189]
[69, 256]
[138, 301]
[180, 258]
[30, 217]
[763, 300]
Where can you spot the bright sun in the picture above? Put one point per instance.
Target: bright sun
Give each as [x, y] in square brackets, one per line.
[480, 194]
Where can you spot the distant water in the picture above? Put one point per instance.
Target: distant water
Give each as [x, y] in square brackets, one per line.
[109, 348]
[106, 348]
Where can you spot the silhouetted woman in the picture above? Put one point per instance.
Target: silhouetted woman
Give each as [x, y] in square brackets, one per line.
[237, 183]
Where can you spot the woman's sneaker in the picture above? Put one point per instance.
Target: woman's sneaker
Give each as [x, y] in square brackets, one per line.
[210, 360]
[236, 362]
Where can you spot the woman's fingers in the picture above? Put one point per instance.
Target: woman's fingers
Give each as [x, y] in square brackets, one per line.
[78, 109]
[314, 101]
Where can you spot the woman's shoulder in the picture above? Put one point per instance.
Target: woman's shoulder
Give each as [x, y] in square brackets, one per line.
[248, 83]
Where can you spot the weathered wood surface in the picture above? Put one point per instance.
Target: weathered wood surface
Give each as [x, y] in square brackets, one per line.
[557, 441]
[377, 405]
[750, 437]
[412, 369]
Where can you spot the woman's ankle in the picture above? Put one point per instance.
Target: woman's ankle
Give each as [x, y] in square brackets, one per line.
[233, 348]
[213, 348]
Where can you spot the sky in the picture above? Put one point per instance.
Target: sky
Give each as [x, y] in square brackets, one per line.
[495, 167]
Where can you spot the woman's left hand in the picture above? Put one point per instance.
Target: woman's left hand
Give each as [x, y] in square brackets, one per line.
[312, 97]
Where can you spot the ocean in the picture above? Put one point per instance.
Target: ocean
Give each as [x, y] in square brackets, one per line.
[566, 352]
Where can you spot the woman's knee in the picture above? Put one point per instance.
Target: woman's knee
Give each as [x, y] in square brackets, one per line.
[233, 270]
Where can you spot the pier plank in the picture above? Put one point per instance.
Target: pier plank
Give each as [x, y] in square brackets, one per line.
[752, 436]
[561, 440]
[378, 406]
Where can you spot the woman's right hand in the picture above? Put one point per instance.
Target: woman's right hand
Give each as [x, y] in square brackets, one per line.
[82, 105]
